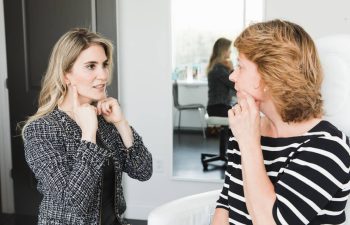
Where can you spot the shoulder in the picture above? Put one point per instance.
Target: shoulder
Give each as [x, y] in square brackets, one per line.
[222, 67]
[328, 140]
[329, 129]
[218, 69]
[325, 130]
[42, 126]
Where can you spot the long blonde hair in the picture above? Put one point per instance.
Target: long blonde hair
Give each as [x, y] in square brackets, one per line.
[64, 54]
[221, 46]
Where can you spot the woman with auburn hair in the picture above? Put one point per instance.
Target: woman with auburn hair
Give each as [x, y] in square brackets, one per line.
[78, 143]
[220, 88]
[287, 165]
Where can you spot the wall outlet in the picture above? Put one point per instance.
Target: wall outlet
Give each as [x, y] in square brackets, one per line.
[158, 166]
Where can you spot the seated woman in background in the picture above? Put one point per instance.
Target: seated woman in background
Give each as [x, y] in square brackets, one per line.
[79, 142]
[221, 89]
[289, 166]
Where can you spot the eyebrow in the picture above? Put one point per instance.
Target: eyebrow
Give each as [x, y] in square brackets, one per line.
[95, 62]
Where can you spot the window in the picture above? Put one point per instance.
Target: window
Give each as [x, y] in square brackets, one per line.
[197, 24]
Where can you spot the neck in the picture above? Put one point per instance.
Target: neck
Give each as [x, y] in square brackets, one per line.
[67, 103]
[272, 124]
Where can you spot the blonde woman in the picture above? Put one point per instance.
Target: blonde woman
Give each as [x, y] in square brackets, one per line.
[78, 143]
[289, 166]
[220, 88]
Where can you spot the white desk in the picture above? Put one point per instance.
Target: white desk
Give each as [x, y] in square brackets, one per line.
[192, 83]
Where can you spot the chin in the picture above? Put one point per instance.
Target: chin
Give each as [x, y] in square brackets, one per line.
[99, 97]
[92, 97]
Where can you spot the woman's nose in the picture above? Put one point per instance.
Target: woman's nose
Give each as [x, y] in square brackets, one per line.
[233, 76]
[102, 73]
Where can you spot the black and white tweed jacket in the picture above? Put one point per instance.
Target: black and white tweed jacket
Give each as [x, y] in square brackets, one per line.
[69, 171]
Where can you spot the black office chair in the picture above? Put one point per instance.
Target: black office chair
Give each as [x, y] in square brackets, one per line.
[179, 107]
[222, 122]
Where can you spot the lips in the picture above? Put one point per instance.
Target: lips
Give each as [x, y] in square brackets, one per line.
[99, 86]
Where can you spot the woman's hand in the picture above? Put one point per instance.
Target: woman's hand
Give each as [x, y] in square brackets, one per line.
[244, 120]
[259, 192]
[85, 116]
[110, 110]
[112, 113]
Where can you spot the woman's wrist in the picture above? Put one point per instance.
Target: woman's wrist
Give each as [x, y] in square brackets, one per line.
[120, 122]
[89, 137]
[125, 132]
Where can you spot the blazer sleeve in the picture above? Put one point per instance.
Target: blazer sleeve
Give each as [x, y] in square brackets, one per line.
[136, 160]
[46, 156]
[319, 170]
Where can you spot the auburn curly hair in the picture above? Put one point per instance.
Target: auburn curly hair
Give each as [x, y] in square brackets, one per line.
[287, 59]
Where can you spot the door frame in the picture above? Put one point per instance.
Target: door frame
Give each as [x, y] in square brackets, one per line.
[7, 195]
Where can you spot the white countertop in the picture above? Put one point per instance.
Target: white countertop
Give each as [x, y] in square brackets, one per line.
[193, 82]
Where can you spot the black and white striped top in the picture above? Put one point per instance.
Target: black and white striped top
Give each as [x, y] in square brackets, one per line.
[310, 174]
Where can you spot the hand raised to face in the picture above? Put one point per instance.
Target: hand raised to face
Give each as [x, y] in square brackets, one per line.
[85, 115]
[110, 109]
[244, 119]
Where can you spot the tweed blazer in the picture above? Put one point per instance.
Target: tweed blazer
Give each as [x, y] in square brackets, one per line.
[70, 171]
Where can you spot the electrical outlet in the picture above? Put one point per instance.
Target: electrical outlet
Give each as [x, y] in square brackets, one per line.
[158, 166]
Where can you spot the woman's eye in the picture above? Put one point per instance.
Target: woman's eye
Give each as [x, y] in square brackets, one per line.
[105, 65]
[90, 66]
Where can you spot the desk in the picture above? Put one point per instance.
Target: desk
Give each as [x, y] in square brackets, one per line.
[192, 83]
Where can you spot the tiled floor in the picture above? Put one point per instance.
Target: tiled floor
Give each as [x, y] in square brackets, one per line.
[187, 150]
[11, 219]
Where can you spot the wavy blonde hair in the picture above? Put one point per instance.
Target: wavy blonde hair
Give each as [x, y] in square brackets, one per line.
[64, 54]
[289, 64]
[221, 46]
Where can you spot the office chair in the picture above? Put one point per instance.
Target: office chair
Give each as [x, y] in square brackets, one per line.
[179, 107]
[222, 122]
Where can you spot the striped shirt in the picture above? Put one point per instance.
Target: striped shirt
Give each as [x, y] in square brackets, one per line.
[310, 174]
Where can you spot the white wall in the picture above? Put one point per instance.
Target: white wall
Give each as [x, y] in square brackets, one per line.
[145, 83]
[146, 97]
[318, 18]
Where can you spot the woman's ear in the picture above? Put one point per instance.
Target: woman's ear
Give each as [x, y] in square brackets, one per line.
[66, 79]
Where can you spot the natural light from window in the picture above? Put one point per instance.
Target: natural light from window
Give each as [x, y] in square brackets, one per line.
[197, 24]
